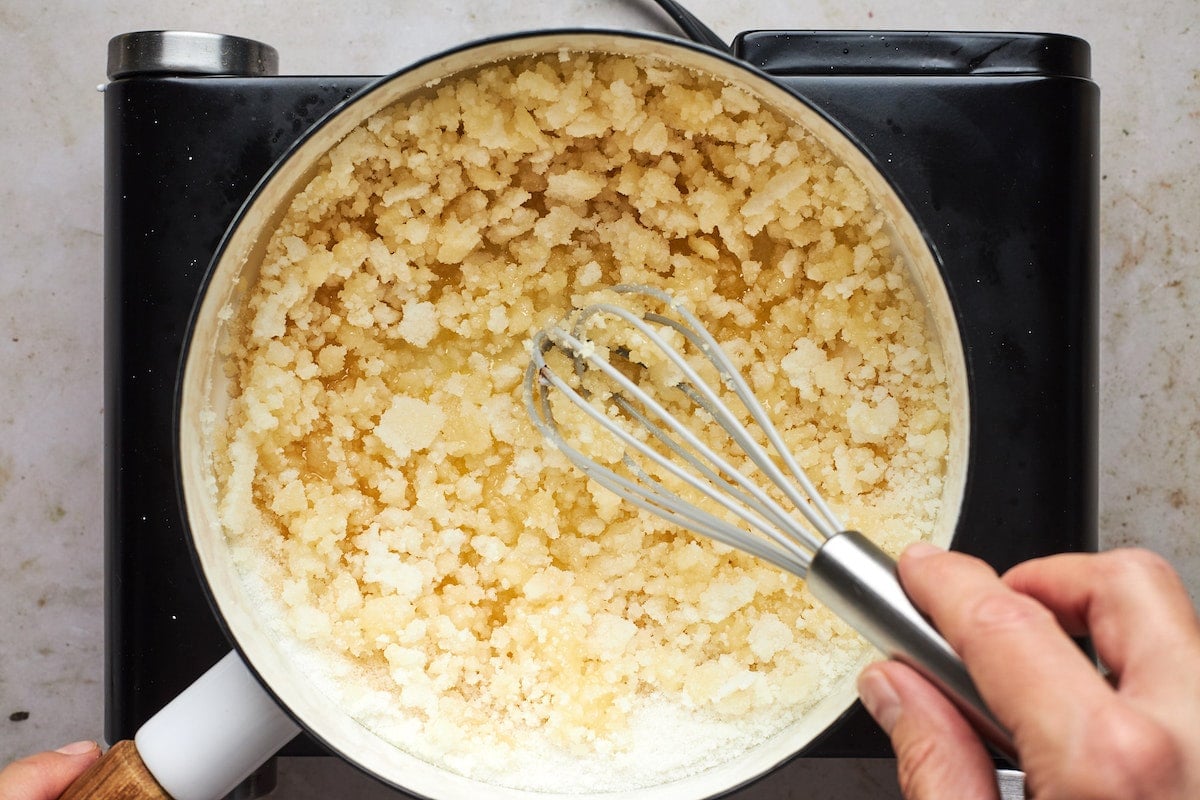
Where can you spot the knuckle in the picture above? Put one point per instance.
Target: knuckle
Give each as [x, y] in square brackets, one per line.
[1134, 562]
[932, 766]
[916, 766]
[1002, 611]
[1143, 756]
[1127, 756]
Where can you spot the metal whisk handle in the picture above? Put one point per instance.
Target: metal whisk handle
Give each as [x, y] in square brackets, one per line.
[859, 583]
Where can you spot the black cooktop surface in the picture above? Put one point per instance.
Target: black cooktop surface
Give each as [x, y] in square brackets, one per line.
[991, 139]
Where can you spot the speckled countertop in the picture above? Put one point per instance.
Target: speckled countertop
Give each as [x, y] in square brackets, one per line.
[51, 401]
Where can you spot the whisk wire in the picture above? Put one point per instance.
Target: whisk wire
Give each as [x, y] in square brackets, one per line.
[762, 516]
[646, 492]
[711, 475]
[824, 519]
[775, 516]
[708, 400]
[807, 500]
[696, 463]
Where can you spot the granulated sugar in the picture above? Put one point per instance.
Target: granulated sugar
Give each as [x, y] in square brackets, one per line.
[447, 577]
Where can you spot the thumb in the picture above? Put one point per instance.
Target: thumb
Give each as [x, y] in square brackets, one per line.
[45, 776]
[939, 757]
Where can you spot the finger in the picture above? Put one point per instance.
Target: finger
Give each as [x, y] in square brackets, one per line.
[1131, 602]
[46, 775]
[1033, 677]
[938, 755]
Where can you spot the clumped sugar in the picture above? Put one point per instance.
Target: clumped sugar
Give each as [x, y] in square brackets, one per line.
[466, 592]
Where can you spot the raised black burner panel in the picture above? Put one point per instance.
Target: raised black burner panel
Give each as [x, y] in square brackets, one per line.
[991, 138]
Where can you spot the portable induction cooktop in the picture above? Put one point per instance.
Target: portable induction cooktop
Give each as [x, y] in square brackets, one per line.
[990, 137]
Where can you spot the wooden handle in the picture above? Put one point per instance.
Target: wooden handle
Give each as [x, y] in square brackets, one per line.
[118, 775]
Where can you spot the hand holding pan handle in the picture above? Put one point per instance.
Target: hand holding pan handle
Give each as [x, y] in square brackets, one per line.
[200, 746]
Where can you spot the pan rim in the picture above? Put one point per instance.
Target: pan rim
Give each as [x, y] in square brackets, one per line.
[349, 113]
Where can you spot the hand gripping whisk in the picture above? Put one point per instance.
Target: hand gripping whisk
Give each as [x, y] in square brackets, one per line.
[611, 365]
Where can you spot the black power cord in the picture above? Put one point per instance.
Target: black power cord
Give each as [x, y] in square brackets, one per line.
[696, 30]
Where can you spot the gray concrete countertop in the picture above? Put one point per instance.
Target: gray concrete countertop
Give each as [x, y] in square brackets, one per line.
[51, 402]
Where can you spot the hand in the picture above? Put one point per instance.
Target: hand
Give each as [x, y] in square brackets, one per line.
[1080, 735]
[45, 776]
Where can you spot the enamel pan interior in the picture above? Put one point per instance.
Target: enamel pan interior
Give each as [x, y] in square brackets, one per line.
[203, 399]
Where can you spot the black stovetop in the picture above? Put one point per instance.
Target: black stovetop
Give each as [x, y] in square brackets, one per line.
[991, 139]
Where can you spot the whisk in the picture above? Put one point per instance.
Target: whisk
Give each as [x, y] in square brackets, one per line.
[662, 457]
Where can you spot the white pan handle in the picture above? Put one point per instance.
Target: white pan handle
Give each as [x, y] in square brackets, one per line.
[211, 737]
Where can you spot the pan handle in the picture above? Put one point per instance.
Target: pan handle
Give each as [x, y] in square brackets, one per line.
[120, 773]
[200, 746]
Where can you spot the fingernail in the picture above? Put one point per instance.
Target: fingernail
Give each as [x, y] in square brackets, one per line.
[77, 748]
[921, 550]
[880, 698]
